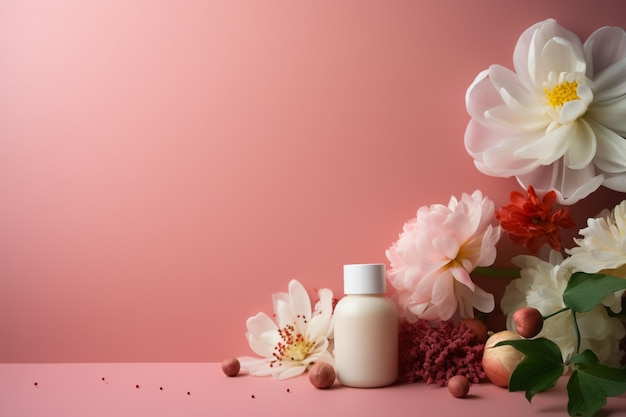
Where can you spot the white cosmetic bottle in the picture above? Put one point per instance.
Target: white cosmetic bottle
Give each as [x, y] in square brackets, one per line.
[365, 329]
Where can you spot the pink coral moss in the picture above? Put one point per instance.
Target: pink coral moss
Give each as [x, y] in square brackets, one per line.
[436, 352]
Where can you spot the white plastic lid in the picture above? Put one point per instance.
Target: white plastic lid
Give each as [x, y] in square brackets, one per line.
[364, 279]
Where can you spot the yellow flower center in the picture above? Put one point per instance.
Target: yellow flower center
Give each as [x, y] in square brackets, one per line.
[292, 346]
[298, 350]
[562, 93]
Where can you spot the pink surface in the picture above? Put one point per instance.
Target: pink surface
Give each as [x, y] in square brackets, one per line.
[166, 165]
[201, 389]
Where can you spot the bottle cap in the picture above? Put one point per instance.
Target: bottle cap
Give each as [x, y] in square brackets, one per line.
[364, 279]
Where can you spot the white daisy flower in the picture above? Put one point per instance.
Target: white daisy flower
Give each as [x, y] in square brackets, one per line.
[298, 338]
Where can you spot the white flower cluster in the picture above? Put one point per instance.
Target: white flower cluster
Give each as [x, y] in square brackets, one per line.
[602, 249]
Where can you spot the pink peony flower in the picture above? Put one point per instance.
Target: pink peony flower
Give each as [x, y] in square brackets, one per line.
[432, 260]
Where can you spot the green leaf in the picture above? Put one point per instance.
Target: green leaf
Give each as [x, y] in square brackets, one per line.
[590, 385]
[585, 291]
[585, 357]
[541, 368]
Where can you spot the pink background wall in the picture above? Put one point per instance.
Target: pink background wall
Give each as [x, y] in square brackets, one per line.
[166, 165]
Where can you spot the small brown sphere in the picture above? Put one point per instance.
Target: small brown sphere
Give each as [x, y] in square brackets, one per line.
[322, 375]
[477, 327]
[458, 386]
[231, 366]
[528, 322]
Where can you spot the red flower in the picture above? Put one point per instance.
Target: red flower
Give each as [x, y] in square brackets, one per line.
[530, 221]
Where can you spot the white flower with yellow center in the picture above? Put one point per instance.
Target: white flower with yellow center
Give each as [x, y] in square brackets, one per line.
[298, 338]
[602, 249]
[541, 286]
[558, 121]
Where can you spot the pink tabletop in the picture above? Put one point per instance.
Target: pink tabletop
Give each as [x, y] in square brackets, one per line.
[201, 389]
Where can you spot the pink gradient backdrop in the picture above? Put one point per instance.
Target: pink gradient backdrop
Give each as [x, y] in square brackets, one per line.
[166, 165]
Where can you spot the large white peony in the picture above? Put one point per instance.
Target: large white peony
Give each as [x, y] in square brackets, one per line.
[558, 121]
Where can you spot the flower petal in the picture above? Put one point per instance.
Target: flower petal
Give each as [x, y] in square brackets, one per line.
[476, 298]
[419, 309]
[605, 47]
[481, 95]
[549, 148]
[524, 52]
[571, 111]
[516, 95]
[570, 185]
[610, 84]
[256, 366]
[284, 313]
[324, 356]
[280, 297]
[262, 334]
[616, 182]
[260, 323]
[288, 370]
[462, 277]
[448, 246]
[583, 146]
[494, 154]
[609, 113]
[611, 151]
[561, 55]
[444, 297]
[550, 47]
[299, 299]
[319, 326]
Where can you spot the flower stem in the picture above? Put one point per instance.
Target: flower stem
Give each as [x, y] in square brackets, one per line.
[555, 313]
[487, 271]
[577, 330]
